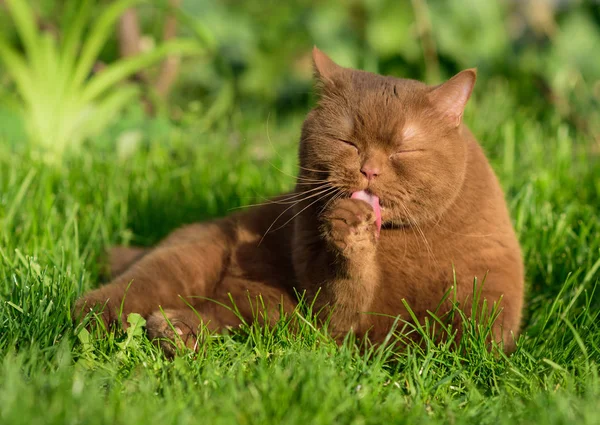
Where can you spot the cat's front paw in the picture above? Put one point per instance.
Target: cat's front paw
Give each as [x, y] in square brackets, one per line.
[350, 226]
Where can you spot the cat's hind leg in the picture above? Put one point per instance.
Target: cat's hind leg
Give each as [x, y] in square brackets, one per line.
[236, 301]
[165, 277]
[120, 258]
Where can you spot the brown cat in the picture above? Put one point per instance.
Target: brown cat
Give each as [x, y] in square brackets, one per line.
[393, 195]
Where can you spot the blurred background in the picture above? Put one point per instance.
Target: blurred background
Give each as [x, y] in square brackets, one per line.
[117, 74]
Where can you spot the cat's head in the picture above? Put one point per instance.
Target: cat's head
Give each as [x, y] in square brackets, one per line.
[399, 139]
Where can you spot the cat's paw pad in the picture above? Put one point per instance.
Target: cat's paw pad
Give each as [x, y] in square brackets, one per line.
[350, 225]
[172, 332]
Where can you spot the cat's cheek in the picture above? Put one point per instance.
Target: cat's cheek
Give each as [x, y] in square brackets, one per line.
[407, 156]
[394, 216]
[387, 216]
[384, 215]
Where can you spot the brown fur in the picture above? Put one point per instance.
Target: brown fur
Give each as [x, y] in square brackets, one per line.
[442, 208]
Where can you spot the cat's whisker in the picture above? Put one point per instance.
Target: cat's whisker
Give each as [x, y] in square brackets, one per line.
[302, 210]
[328, 182]
[310, 183]
[411, 223]
[419, 232]
[312, 170]
[306, 179]
[288, 201]
[300, 193]
[274, 221]
[296, 194]
[333, 199]
[284, 201]
[286, 210]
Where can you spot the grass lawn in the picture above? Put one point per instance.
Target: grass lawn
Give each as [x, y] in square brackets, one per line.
[55, 221]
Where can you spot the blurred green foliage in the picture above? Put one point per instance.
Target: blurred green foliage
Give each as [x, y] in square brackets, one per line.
[59, 103]
[542, 51]
[266, 44]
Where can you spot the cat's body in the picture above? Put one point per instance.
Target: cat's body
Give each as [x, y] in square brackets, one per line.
[428, 209]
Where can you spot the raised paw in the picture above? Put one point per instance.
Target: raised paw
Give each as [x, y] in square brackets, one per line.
[350, 226]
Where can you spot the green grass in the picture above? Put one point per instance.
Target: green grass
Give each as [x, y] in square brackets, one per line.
[55, 223]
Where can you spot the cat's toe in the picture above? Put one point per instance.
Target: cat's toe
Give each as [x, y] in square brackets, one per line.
[350, 226]
[172, 332]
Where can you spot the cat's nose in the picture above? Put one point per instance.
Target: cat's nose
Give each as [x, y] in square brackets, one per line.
[370, 172]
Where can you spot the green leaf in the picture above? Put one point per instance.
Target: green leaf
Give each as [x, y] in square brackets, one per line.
[72, 36]
[107, 109]
[17, 68]
[135, 329]
[25, 24]
[98, 37]
[129, 66]
[136, 325]
[83, 336]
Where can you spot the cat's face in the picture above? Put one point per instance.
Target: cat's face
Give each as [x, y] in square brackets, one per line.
[398, 139]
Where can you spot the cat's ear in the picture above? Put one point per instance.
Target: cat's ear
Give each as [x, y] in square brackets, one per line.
[325, 69]
[451, 97]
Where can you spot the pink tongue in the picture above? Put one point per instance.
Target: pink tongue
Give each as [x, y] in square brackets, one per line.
[373, 201]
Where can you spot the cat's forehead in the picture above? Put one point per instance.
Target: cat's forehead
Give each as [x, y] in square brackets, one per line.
[367, 83]
[385, 96]
[384, 107]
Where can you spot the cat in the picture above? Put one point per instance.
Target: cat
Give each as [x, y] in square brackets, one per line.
[394, 200]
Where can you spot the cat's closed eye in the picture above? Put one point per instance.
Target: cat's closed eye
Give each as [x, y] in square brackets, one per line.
[349, 143]
[402, 152]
